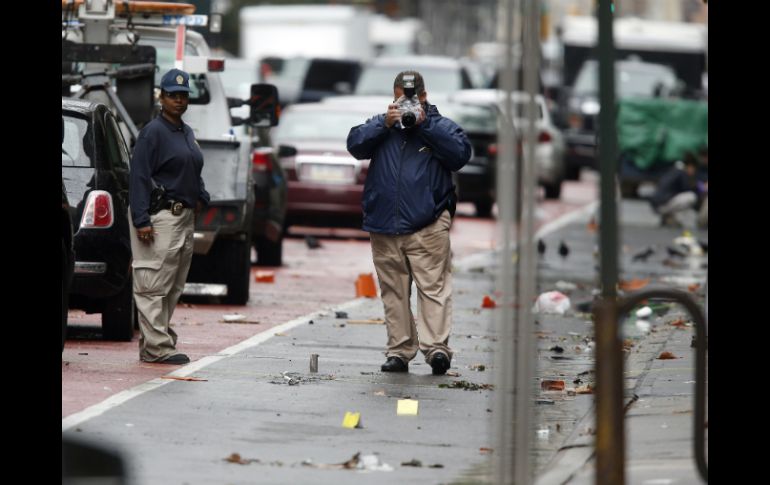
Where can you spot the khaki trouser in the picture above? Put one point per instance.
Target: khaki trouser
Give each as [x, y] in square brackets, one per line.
[424, 257]
[160, 271]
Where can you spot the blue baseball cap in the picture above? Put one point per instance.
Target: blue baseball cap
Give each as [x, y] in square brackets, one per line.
[174, 81]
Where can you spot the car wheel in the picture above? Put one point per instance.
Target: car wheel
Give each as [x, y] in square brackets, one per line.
[483, 207]
[269, 253]
[235, 261]
[553, 191]
[119, 315]
[572, 172]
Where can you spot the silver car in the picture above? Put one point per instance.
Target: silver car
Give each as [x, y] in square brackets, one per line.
[549, 153]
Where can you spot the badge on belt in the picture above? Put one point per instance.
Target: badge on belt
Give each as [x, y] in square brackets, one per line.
[176, 208]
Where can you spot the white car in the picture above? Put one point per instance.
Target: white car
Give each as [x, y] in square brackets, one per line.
[549, 153]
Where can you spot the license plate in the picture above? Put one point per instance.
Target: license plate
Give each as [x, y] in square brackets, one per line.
[326, 173]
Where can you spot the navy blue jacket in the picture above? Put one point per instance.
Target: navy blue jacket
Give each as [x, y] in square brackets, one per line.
[171, 157]
[409, 182]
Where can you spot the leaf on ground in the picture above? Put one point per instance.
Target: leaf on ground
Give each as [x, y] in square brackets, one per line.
[194, 379]
[666, 356]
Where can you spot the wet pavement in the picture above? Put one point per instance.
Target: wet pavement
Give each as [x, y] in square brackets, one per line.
[260, 401]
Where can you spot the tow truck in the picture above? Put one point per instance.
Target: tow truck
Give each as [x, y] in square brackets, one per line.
[99, 36]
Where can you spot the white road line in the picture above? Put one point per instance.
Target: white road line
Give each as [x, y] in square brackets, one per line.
[113, 401]
[123, 396]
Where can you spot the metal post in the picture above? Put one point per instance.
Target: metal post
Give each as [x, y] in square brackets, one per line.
[610, 436]
[504, 354]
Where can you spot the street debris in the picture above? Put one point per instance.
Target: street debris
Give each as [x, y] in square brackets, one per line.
[643, 255]
[236, 458]
[633, 284]
[693, 287]
[310, 322]
[265, 277]
[437, 465]
[682, 281]
[338, 325]
[565, 286]
[563, 249]
[675, 252]
[452, 374]
[557, 349]
[542, 433]
[312, 242]
[570, 391]
[467, 386]
[373, 463]
[551, 385]
[540, 247]
[236, 318]
[351, 464]
[478, 367]
[644, 312]
[192, 379]
[371, 321]
[627, 344]
[82, 353]
[313, 363]
[352, 420]
[488, 302]
[407, 407]
[281, 334]
[552, 302]
[413, 462]
[379, 393]
[486, 450]
[365, 286]
[295, 378]
[340, 315]
[643, 326]
[544, 401]
[586, 389]
[667, 356]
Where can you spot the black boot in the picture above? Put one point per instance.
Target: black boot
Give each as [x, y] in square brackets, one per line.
[394, 364]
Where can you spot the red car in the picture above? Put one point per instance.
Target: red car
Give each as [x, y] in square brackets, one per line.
[325, 182]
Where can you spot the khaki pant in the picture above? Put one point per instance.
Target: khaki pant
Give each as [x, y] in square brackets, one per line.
[425, 258]
[160, 271]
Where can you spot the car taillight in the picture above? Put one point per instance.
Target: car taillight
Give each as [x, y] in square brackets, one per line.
[98, 211]
[216, 65]
[492, 149]
[544, 137]
[261, 161]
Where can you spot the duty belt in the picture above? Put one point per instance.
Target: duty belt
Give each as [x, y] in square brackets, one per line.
[174, 206]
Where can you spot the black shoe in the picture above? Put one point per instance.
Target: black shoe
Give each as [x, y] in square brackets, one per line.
[439, 363]
[394, 364]
[176, 359]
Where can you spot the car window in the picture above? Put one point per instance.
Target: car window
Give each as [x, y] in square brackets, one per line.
[472, 118]
[116, 147]
[378, 80]
[74, 152]
[199, 87]
[320, 125]
[630, 79]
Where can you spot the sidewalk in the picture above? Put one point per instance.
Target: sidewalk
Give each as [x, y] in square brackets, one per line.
[659, 424]
[260, 401]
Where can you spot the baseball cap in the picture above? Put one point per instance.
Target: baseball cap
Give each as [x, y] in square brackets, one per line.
[174, 81]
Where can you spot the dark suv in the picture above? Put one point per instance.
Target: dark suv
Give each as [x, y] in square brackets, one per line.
[95, 176]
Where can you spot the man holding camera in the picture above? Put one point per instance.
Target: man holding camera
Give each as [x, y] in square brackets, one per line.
[408, 204]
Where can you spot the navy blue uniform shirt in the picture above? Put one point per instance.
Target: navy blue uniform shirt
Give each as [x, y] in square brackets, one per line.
[170, 156]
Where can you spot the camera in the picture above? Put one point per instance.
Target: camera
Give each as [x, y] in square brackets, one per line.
[409, 106]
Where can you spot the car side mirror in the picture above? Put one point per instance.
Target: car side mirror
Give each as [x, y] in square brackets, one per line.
[286, 151]
[264, 105]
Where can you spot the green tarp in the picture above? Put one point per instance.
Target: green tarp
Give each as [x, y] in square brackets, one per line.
[654, 131]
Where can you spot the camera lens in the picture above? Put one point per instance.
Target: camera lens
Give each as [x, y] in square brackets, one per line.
[408, 119]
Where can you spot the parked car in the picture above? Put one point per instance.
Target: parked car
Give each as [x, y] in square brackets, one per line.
[329, 77]
[442, 75]
[634, 79]
[95, 175]
[325, 181]
[270, 186]
[67, 258]
[549, 152]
